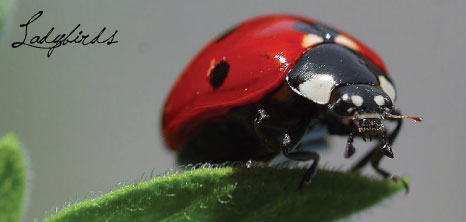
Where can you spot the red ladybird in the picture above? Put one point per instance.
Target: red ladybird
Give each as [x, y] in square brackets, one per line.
[256, 90]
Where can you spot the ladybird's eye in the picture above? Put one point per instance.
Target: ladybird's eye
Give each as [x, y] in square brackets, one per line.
[344, 40]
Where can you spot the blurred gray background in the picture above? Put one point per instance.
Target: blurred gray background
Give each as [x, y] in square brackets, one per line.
[89, 116]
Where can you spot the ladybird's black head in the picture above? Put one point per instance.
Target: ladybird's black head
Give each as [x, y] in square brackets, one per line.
[359, 99]
[367, 106]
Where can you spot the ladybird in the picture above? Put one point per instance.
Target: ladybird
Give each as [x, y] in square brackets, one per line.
[258, 89]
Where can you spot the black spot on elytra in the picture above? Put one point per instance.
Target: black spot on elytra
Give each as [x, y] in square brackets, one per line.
[219, 74]
[226, 33]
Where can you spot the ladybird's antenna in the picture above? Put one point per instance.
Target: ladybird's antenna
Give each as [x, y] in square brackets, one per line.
[413, 118]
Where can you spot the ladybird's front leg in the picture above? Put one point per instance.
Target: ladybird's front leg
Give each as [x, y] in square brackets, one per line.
[376, 154]
[350, 150]
[370, 156]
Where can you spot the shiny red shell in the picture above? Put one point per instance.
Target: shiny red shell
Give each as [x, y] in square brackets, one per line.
[260, 52]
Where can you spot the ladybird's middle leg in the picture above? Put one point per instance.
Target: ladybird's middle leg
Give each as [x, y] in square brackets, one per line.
[270, 128]
[263, 128]
[302, 156]
[291, 135]
[290, 141]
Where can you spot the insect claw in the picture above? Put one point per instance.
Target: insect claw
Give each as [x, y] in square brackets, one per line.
[387, 150]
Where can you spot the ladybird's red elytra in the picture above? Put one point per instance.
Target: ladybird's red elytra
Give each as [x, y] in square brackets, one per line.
[256, 90]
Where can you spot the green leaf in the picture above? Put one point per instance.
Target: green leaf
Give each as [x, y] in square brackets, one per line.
[12, 179]
[235, 194]
[5, 6]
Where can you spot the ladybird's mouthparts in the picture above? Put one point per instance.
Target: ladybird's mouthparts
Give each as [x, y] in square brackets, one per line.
[369, 125]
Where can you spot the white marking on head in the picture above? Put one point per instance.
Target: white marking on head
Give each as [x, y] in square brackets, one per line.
[357, 100]
[346, 41]
[318, 89]
[310, 40]
[349, 110]
[387, 87]
[345, 97]
[379, 100]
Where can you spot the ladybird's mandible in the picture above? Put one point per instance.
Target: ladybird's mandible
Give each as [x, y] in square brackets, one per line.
[256, 91]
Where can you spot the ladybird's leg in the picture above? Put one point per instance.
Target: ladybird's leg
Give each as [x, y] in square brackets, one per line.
[373, 152]
[263, 126]
[290, 141]
[379, 154]
[375, 161]
[302, 156]
[349, 151]
[271, 126]
[376, 155]
[293, 133]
